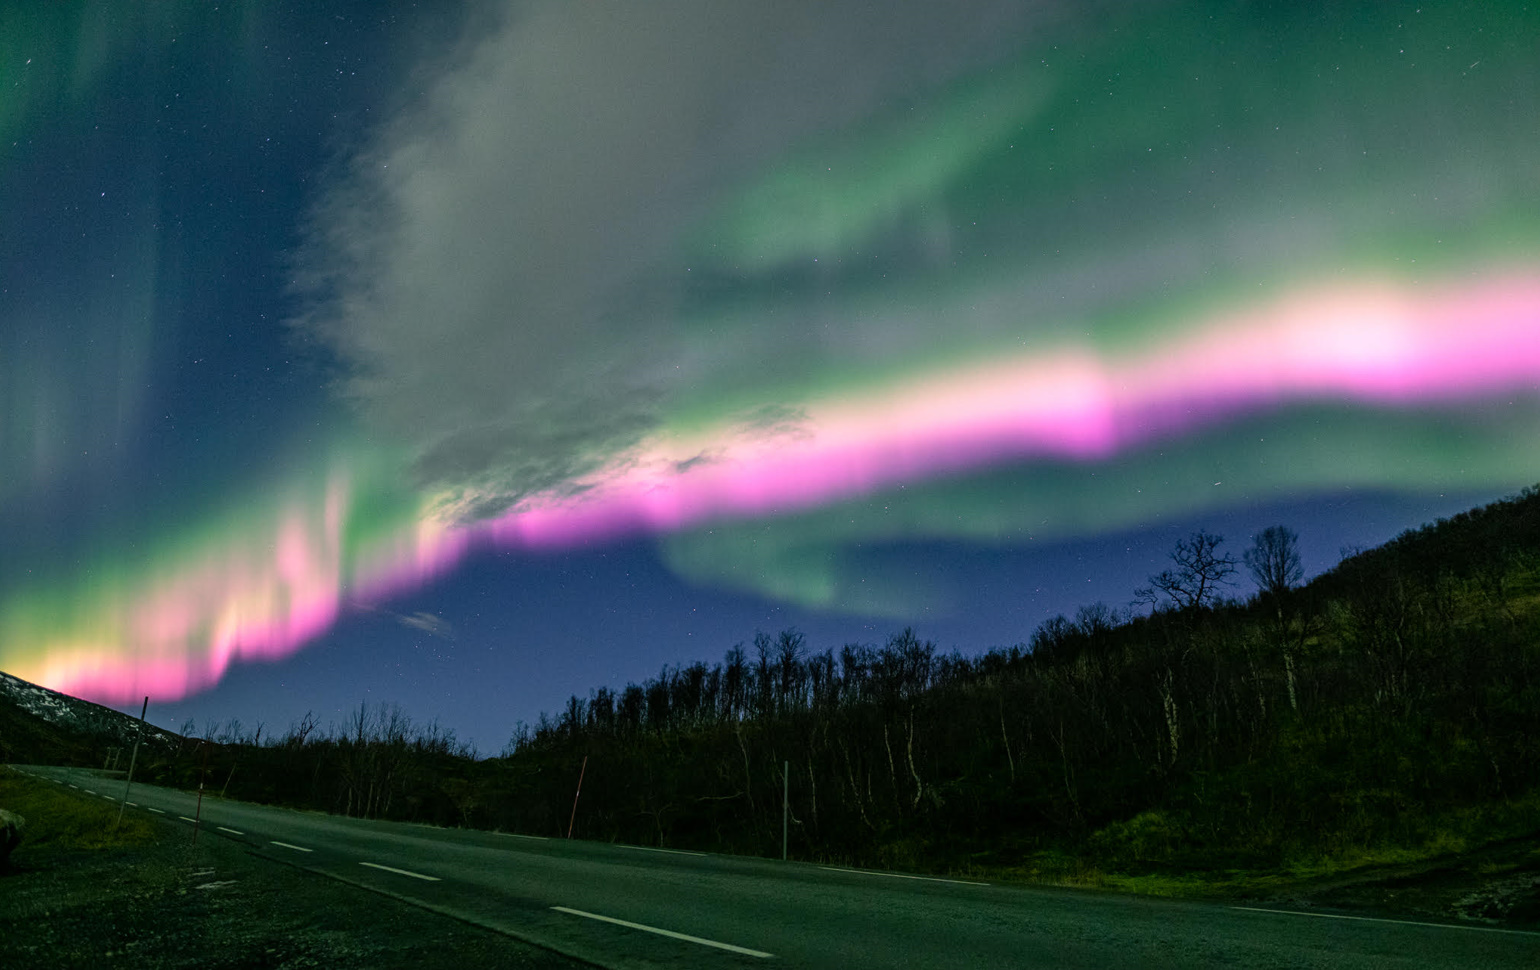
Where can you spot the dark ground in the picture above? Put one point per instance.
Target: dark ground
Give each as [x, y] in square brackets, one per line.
[168, 905]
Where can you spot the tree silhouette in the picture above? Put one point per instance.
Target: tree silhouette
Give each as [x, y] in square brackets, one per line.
[1200, 571]
[1273, 560]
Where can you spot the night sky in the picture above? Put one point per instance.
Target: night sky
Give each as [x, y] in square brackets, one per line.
[469, 356]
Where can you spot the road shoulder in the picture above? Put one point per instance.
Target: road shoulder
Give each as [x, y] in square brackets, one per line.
[167, 904]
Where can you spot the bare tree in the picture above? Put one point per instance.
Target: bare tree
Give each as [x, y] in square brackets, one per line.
[764, 675]
[228, 732]
[789, 670]
[1273, 560]
[1200, 572]
[1096, 619]
[735, 673]
[1052, 635]
[300, 731]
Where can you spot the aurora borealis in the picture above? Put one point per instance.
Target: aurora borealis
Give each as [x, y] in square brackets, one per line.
[757, 294]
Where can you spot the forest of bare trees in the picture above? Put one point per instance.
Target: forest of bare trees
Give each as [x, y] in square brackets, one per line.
[1390, 701]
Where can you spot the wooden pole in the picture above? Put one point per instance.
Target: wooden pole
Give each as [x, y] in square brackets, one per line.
[785, 803]
[198, 815]
[575, 795]
[130, 782]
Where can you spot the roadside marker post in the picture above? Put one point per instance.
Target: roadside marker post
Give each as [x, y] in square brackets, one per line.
[198, 815]
[128, 784]
[785, 803]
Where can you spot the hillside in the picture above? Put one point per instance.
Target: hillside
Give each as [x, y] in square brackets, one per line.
[42, 726]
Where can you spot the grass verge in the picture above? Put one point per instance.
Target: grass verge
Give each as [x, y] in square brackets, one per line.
[65, 820]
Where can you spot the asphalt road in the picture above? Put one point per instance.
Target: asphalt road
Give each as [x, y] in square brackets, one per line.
[631, 906]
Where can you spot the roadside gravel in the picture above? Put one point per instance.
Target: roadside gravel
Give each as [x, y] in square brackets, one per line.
[169, 905]
[1497, 886]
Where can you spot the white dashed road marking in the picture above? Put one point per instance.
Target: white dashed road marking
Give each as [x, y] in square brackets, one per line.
[296, 848]
[186, 819]
[648, 848]
[157, 811]
[231, 831]
[900, 875]
[401, 872]
[1376, 919]
[669, 933]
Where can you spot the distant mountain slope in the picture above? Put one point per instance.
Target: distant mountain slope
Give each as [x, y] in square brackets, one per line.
[38, 725]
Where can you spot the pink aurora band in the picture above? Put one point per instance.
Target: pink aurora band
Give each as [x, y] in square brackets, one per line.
[1380, 344]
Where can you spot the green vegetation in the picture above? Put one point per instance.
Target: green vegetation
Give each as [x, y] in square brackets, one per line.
[61, 821]
[1382, 714]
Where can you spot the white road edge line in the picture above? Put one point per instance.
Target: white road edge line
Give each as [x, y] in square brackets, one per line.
[648, 848]
[669, 933]
[515, 835]
[296, 848]
[231, 831]
[900, 875]
[1377, 919]
[158, 811]
[186, 819]
[402, 872]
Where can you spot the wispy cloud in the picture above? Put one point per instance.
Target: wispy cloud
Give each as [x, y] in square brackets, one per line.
[428, 623]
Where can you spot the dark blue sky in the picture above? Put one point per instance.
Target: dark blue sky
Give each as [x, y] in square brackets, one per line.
[151, 208]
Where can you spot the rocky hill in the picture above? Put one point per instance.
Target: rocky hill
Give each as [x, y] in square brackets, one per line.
[42, 726]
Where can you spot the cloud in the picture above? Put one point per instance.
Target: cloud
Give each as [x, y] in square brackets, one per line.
[435, 626]
[429, 623]
[502, 269]
[598, 231]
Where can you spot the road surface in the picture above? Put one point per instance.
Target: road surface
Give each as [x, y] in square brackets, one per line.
[631, 906]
